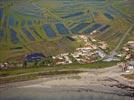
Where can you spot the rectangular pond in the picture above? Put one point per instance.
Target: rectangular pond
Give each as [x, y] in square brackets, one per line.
[91, 29]
[79, 27]
[49, 31]
[14, 38]
[62, 29]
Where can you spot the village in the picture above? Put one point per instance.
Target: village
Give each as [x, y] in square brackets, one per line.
[87, 54]
[92, 51]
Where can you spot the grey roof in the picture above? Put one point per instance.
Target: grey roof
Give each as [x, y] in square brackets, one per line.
[131, 63]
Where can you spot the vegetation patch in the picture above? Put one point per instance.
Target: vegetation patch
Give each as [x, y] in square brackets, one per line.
[23, 74]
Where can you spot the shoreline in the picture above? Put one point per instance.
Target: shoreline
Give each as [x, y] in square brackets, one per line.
[106, 81]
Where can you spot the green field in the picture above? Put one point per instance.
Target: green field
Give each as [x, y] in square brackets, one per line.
[31, 25]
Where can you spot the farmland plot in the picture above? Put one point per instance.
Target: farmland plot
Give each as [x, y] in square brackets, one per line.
[28, 34]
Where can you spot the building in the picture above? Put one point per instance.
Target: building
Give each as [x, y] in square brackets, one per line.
[130, 64]
[62, 59]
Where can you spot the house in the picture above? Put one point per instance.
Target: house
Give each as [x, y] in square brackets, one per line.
[103, 45]
[62, 59]
[130, 65]
[101, 53]
[126, 49]
[130, 44]
[83, 37]
[58, 60]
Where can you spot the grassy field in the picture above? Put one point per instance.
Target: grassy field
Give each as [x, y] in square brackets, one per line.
[21, 74]
[34, 14]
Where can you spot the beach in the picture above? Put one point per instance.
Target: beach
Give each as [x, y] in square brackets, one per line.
[91, 84]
